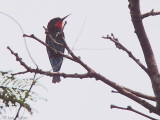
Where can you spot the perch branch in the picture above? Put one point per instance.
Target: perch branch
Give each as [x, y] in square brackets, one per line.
[51, 74]
[54, 50]
[75, 58]
[92, 74]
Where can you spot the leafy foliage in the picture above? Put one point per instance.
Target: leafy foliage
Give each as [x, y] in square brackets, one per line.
[14, 92]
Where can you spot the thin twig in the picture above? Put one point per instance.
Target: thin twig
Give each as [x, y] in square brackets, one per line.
[26, 95]
[120, 46]
[51, 38]
[77, 59]
[14, 88]
[151, 13]
[129, 108]
[137, 94]
[19, 25]
[19, 73]
[141, 94]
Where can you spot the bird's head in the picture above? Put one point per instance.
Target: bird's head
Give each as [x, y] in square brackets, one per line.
[56, 23]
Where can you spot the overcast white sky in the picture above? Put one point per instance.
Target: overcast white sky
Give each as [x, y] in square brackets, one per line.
[76, 99]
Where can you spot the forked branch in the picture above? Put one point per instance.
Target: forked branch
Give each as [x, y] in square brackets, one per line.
[90, 74]
[151, 13]
[129, 108]
[120, 46]
[134, 6]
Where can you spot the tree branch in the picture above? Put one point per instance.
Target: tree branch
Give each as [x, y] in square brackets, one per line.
[75, 58]
[51, 74]
[138, 94]
[142, 36]
[51, 38]
[154, 75]
[26, 96]
[54, 50]
[90, 74]
[129, 108]
[141, 94]
[19, 73]
[120, 46]
[126, 93]
[151, 13]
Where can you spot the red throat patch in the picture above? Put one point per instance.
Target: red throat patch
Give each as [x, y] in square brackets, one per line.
[59, 24]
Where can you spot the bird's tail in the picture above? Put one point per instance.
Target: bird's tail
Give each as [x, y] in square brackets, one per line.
[56, 79]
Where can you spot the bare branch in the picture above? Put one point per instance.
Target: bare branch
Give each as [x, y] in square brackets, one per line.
[54, 50]
[51, 38]
[120, 46]
[129, 108]
[137, 94]
[151, 13]
[134, 6]
[90, 74]
[73, 58]
[142, 36]
[141, 94]
[126, 93]
[51, 74]
[77, 59]
[19, 73]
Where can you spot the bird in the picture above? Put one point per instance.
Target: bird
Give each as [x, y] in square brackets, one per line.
[55, 29]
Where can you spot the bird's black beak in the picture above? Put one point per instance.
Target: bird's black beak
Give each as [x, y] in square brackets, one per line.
[65, 17]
